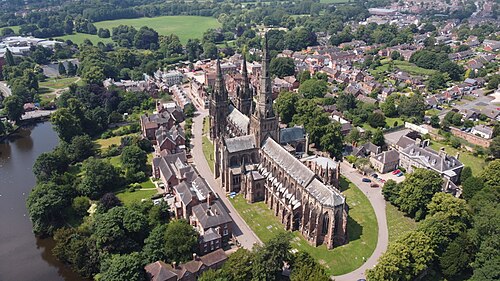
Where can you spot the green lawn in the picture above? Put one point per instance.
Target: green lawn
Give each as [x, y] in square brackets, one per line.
[412, 69]
[361, 226]
[397, 222]
[390, 121]
[135, 197]
[105, 143]
[208, 151]
[115, 161]
[59, 83]
[14, 27]
[477, 164]
[185, 27]
[78, 38]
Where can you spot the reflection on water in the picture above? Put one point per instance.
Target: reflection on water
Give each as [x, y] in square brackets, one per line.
[22, 255]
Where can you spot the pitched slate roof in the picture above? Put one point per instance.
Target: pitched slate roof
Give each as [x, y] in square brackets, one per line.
[324, 194]
[387, 156]
[288, 135]
[240, 143]
[428, 157]
[210, 235]
[239, 119]
[211, 216]
[159, 271]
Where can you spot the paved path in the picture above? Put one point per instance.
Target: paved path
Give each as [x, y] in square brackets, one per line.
[378, 203]
[241, 230]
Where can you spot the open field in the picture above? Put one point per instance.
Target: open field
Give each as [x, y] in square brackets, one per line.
[78, 38]
[59, 83]
[477, 164]
[397, 222]
[185, 27]
[412, 69]
[361, 226]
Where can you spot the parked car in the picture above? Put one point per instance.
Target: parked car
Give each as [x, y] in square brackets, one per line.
[396, 171]
[400, 174]
[366, 180]
[374, 185]
[382, 180]
[375, 175]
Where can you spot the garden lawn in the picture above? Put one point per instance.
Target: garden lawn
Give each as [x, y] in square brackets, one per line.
[390, 121]
[186, 27]
[397, 222]
[477, 164]
[361, 226]
[412, 69]
[208, 151]
[78, 38]
[135, 197]
[105, 143]
[59, 83]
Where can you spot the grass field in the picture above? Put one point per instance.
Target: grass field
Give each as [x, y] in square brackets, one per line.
[475, 163]
[391, 120]
[412, 69]
[59, 83]
[78, 38]
[135, 197]
[362, 229]
[185, 27]
[105, 143]
[397, 222]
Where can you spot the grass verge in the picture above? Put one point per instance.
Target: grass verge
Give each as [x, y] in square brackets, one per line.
[361, 226]
[397, 222]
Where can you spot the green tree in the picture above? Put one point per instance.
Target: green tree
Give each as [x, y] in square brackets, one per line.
[465, 174]
[93, 75]
[82, 147]
[414, 106]
[99, 176]
[389, 107]
[376, 119]
[46, 204]
[13, 107]
[282, 66]
[417, 191]
[269, 259]
[491, 174]
[304, 75]
[285, 106]
[331, 140]
[146, 38]
[50, 164]
[66, 124]
[378, 138]
[154, 245]
[123, 267]
[405, 259]
[210, 50]
[306, 268]
[346, 102]
[61, 68]
[313, 88]
[81, 204]
[9, 58]
[353, 136]
[493, 81]
[181, 240]
[108, 201]
[470, 187]
[390, 190]
[238, 267]
[495, 147]
[434, 121]
[71, 70]
[455, 261]
[436, 81]
[134, 160]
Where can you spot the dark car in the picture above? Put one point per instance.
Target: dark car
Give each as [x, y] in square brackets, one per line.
[374, 175]
[366, 180]
[374, 185]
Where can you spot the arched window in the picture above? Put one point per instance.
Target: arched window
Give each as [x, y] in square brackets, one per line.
[325, 225]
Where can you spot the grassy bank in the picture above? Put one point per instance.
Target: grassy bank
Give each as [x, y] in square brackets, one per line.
[397, 222]
[361, 226]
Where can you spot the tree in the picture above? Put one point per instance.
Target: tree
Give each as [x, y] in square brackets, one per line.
[66, 124]
[285, 106]
[434, 121]
[493, 81]
[436, 81]
[81, 204]
[108, 201]
[134, 160]
[238, 267]
[123, 267]
[99, 176]
[193, 49]
[9, 58]
[146, 38]
[269, 259]
[332, 141]
[93, 75]
[395, 55]
[313, 88]
[282, 66]
[46, 204]
[376, 119]
[390, 190]
[61, 69]
[181, 240]
[353, 136]
[13, 107]
[465, 174]
[154, 245]
[210, 50]
[82, 147]
[405, 259]
[304, 75]
[455, 261]
[103, 33]
[71, 70]
[414, 106]
[454, 71]
[306, 268]
[495, 147]
[378, 138]
[417, 191]
[389, 107]
[346, 102]
[50, 164]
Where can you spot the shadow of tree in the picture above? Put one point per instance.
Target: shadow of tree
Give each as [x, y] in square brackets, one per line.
[354, 229]
[344, 184]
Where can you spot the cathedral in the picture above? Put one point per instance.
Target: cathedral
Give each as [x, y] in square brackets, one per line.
[256, 158]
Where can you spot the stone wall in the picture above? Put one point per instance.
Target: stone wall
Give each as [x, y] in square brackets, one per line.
[473, 139]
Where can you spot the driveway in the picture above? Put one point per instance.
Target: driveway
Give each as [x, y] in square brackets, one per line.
[241, 230]
[375, 197]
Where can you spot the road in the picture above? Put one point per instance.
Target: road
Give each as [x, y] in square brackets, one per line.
[241, 230]
[378, 203]
[5, 89]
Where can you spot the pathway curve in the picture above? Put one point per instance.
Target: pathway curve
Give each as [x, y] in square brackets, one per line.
[241, 230]
[377, 200]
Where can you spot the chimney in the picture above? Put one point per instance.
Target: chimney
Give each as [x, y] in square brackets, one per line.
[458, 155]
[418, 141]
[174, 265]
[209, 200]
[442, 152]
[195, 257]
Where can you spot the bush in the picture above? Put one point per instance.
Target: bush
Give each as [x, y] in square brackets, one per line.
[81, 204]
[455, 143]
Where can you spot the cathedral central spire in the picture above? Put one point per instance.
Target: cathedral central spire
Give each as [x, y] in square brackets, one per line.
[265, 103]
